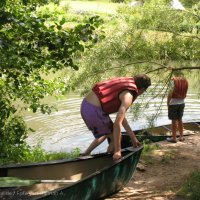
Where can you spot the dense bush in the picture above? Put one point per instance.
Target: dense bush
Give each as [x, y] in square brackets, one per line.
[34, 42]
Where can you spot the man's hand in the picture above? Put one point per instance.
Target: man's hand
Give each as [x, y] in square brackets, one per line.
[137, 143]
[134, 140]
[117, 155]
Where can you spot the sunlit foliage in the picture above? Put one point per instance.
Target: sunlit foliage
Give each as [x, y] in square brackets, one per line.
[35, 42]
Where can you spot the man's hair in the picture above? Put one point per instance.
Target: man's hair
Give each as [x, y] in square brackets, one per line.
[142, 81]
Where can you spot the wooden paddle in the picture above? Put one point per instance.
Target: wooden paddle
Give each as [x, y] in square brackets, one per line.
[17, 182]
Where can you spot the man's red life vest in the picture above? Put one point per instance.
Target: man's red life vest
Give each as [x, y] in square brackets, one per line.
[108, 92]
[180, 88]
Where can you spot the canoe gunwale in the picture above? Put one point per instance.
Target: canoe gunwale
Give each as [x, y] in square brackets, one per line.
[53, 162]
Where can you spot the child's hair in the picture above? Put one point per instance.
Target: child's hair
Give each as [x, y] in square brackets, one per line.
[142, 81]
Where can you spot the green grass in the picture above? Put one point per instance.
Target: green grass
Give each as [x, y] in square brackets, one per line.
[148, 151]
[92, 6]
[168, 156]
[149, 147]
[153, 153]
[37, 154]
[191, 188]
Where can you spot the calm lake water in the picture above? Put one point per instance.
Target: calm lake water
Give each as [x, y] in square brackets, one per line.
[65, 130]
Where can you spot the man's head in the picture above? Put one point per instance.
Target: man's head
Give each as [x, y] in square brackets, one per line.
[142, 81]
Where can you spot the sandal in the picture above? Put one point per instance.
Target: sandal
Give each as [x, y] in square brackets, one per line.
[171, 140]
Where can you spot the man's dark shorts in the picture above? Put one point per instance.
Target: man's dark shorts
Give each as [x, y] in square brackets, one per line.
[96, 119]
[175, 112]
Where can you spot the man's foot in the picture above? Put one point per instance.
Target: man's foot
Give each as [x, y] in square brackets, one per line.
[84, 154]
[171, 140]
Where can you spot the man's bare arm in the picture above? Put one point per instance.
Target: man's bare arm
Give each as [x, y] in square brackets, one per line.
[130, 133]
[126, 101]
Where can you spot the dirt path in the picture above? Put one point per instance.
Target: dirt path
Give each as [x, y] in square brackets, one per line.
[165, 173]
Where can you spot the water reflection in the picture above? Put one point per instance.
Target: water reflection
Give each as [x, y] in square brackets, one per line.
[64, 130]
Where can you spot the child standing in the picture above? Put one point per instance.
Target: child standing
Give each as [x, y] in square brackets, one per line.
[176, 104]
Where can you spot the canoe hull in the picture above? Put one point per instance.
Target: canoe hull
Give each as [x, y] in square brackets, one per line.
[107, 177]
[102, 184]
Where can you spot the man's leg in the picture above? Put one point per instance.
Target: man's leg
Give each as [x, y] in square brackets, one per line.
[110, 148]
[96, 142]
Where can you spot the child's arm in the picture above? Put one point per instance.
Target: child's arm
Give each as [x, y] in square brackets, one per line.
[169, 97]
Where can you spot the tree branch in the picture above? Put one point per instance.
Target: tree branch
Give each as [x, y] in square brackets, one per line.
[171, 31]
[173, 69]
[133, 63]
[183, 68]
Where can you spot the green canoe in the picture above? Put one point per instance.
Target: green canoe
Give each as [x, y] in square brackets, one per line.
[159, 133]
[87, 177]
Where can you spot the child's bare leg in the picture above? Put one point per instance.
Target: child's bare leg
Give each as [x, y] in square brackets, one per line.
[180, 129]
[174, 128]
[96, 142]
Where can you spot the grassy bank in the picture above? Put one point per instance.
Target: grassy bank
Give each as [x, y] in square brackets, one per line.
[191, 188]
[92, 6]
